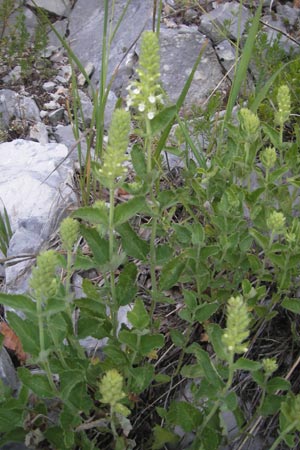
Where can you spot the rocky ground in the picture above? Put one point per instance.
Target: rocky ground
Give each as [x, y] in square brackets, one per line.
[37, 145]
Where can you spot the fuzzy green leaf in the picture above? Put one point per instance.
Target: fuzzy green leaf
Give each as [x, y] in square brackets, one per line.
[291, 304]
[162, 119]
[124, 211]
[151, 342]
[138, 161]
[205, 311]
[278, 384]
[141, 378]
[26, 331]
[126, 287]
[139, 317]
[162, 437]
[37, 383]
[18, 302]
[185, 415]
[247, 364]
[95, 216]
[171, 272]
[98, 245]
[132, 244]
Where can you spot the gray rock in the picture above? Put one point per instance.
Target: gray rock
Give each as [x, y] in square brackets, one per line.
[39, 133]
[56, 116]
[226, 55]
[7, 371]
[273, 34]
[30, 20]
[89, 69]
[36, 199]
[61, 27]
[58, 7]
[14, 75]
[65, 73]
[179, 50]
[65, 135]
[86, 22]
[226, 21]
[49, 86]
[288, 13]
[19, 106]
[86, 108]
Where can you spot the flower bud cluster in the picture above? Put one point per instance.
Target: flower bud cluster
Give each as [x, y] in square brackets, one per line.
[292, 234]
[249, 124]
[269, 366]
[111, 387]
[268, 157]
[69, 232]
[145, 94]
[291, 410]
[237, 329]
[284, 105]
[115, 154]
[276, 222]
[43, 281]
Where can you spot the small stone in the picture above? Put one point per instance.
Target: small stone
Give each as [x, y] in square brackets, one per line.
[14, 75]
[49, 86]
[65, 73]
[89, 69]
[39, 132]
[43, 114]
[56, 116]
[51, 105]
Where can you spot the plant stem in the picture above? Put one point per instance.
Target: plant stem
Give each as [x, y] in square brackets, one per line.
[284, 433]
[113, 302]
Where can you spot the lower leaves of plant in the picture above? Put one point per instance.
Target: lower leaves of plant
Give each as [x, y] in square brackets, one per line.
[219, 253]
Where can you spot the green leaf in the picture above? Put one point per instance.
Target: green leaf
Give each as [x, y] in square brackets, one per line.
[138, 161]
[198, 234]
[129, 338]
[182, 233]
[18, 302]
[96, 307]
[192, 371]
[124, 211]
[37, 383]
[162, 119]
[210, 372]
[262, 240]
[247, 364]
[163, 253]
[89, 325]
[271, 405]
[171, 272]
[291, 304]
[98, 245]
[141, 379]
[185, 415]
[278, 384]
[190, 299]
[215, 333]
[162, 437]
[68, 380]
[139, 317]
[132, 244]
[83, 263]
[10, 418]
[126, 288]
[177, 337]
[94, 216]
[151, 342]
[231, 401]
[162, 378]
[204, 312]
[26, 331]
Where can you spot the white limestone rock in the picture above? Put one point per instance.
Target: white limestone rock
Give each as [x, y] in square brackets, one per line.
[36, 195]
